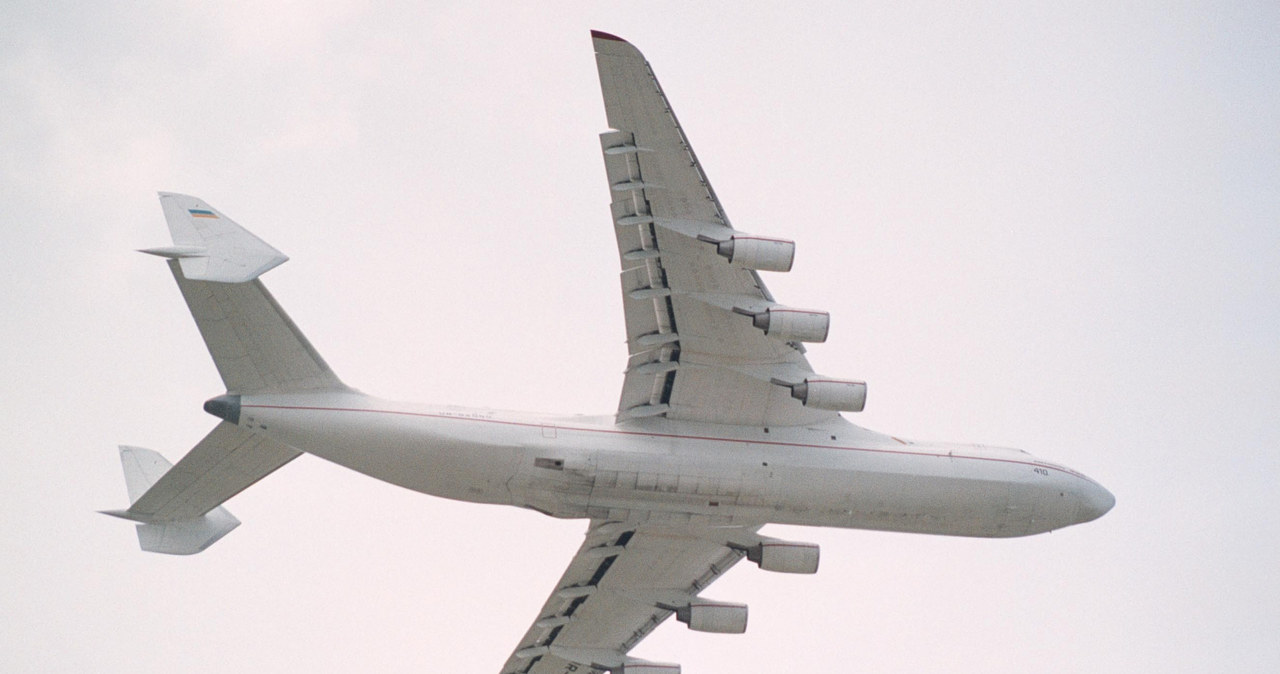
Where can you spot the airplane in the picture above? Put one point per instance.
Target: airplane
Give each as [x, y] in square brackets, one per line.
[721, 428]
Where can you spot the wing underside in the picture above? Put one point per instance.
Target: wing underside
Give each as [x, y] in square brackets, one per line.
[694, 351]
[178, 508]
[623, 582]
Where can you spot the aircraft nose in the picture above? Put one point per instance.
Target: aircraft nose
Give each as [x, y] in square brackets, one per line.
[1095, 501]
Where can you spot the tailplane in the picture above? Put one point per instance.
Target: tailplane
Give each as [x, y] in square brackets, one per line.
[179, 508]
[143, 468]
[256, 348]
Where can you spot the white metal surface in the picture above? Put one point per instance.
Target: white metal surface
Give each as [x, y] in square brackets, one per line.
[254, 344]
[678, 291]
[721, 428]
[228, 460]
[143, 469]
[715, 616]
[786, 556]
[825, 393]
[794, 325]
[760, 253]
[212, 247]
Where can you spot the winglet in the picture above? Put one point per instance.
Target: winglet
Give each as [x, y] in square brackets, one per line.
[142, 469]
[210, 246]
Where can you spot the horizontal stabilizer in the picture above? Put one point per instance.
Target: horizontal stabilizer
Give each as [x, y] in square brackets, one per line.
[255, 345]
[210, 246]
[142, 469]
[179, 508]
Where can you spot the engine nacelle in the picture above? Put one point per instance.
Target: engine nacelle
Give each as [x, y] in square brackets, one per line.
[785, 556]
[712, 616]
[642, 667]
[758, 252]
[824, 393]
[794, 325]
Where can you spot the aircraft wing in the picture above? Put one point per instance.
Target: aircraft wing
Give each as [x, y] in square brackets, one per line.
[178, 509]
[695, 353]
[623, 582]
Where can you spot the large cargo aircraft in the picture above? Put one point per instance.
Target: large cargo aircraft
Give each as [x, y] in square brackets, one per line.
[722, 427]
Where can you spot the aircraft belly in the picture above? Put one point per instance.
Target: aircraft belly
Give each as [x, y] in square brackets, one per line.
[633, 479]
[691, 496]
[922, 493]
[653, 479]
[583, 472]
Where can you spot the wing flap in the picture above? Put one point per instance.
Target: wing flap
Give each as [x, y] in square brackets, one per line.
[616, 590]
[692, 357]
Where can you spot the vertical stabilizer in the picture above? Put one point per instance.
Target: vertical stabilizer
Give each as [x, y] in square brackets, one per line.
[143, 468]
[254, 344]
[210, 246]
[179, 508]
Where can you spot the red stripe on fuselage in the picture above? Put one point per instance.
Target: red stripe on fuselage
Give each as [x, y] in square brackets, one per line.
[676, 436]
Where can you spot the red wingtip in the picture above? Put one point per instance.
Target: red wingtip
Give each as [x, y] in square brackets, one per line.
[601, 35]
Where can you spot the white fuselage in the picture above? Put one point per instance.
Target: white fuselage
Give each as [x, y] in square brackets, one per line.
[655, 470]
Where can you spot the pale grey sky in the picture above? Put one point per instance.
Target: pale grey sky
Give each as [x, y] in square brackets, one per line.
[1052, 228]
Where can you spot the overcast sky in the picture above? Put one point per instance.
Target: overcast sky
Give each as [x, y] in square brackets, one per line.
[1054, 228]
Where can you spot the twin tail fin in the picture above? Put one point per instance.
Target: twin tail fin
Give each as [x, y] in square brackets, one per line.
[256, 348]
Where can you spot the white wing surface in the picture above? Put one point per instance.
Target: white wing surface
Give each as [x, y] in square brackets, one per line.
[178, 508]
[624, 581]
[256, 347]
[695, 353]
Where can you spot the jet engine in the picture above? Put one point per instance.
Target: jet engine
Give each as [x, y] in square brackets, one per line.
[711, 616]
[825, 393]
[640, 667]
[785, 556]
[792, 325]
[758, 252]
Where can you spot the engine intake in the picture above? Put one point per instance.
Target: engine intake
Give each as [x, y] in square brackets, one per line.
[710, 616]
[758, 252]
[825, 393]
